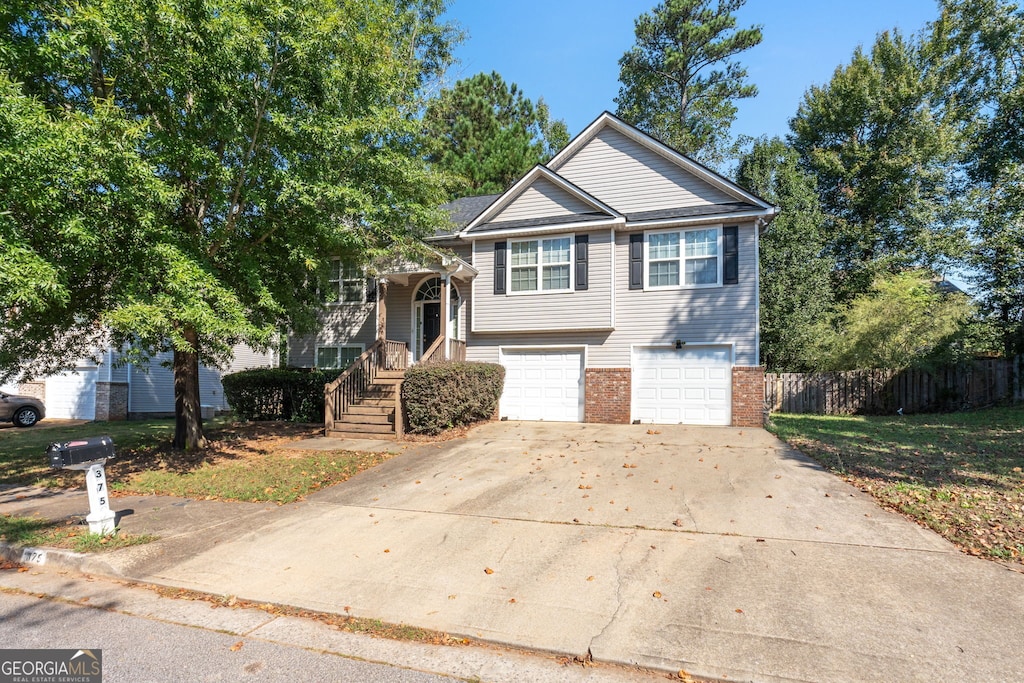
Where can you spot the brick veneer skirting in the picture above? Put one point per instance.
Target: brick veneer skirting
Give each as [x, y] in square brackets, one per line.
[748, 396]
[111, 401]
[607, 395]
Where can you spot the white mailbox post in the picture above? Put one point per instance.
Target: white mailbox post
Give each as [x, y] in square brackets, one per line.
[89, 455]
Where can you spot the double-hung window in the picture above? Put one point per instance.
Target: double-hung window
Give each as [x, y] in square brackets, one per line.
[687, 258]
[543, 265]
[337, 357]
[348, 285]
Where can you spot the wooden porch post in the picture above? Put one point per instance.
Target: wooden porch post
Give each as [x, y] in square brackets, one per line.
[446, 312]
[382, 309]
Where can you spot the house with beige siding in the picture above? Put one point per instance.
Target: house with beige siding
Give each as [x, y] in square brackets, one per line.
[616, 283]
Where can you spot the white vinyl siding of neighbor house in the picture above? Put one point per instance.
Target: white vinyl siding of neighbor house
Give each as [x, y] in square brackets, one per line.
[543, 311]
[631, 178]
[713, 315]
[152, 390]
[542, 199]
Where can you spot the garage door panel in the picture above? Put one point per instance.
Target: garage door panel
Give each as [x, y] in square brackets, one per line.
[690, 385]
[72, 395]
[548, 385]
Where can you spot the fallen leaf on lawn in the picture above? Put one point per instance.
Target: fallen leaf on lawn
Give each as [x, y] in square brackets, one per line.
[656, 594]
[488, 570]
[237, 646]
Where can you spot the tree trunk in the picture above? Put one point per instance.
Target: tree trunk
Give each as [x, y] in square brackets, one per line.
[188, 429]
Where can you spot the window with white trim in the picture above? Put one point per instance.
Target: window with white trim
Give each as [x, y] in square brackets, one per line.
[684, 258]
[347, 282]
[337, 357]
[541, 265]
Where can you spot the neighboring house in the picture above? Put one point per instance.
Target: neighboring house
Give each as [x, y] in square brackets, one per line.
[108, 391]
[616, 283]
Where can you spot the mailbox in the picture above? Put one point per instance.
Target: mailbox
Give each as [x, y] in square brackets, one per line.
[81, 453]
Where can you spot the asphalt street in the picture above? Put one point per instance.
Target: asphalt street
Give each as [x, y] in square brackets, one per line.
[138, 650]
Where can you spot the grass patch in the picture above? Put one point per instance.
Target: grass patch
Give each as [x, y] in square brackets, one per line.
[248, 461]
[66, 534]
[961, 474]
[273, 478]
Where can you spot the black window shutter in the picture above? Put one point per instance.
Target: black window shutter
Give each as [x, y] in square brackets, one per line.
[500, 250]
[731, 254]
[582, 261]
[371, 290]
[636, 261]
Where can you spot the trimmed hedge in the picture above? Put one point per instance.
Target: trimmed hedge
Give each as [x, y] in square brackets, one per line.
[451, 393]
[274, 394]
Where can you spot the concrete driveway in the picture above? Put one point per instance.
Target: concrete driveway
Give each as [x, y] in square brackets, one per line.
[716, 550]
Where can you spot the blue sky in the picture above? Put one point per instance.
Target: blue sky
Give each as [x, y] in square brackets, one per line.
[567, 51]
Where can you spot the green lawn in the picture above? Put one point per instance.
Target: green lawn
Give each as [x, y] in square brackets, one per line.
[27, 531]
[245, 461]
[961, 474]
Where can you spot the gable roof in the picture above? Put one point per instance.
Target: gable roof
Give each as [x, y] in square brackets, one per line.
[609, 120]
[584, 208]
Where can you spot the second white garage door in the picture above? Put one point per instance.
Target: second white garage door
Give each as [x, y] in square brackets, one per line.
[692, 385]
[543, 385]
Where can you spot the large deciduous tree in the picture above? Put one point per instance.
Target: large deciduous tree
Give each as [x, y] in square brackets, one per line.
[977, 48]
[796, 289]
[880, 154]
[679, 82]
[485, 133]
[191, 165]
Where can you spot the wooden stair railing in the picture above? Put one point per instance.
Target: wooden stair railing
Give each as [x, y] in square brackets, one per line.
[341, 393]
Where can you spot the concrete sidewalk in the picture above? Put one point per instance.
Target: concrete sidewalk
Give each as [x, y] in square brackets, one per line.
[715, 550]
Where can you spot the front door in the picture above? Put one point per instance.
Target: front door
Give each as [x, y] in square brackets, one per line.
[431, 323]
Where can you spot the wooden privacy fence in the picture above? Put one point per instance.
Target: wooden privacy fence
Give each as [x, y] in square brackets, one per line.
[880, 392]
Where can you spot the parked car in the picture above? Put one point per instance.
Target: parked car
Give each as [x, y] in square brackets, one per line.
[23, 411]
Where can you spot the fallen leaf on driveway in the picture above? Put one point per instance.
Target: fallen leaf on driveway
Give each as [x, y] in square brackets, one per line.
[237, 646]
[488, 570]
[678, 522]
[739, 611]
[654, 431]
[590, 578]
[585, 486]
[656, 594]
[628, 465]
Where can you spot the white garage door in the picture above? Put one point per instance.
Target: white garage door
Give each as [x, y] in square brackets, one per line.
[72, 395]
[543, 385]
[692, 385]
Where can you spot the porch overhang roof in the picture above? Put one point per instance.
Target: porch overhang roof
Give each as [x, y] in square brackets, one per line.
[446, 264]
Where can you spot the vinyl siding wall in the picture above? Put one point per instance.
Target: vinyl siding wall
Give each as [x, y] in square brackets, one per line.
[508, 313]
[340, 325]
[630, 177]
[724, 314]
[542, 199]
[151, 389]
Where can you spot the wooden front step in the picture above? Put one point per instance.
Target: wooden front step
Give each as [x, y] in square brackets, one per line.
[365, 428]
[371, 419]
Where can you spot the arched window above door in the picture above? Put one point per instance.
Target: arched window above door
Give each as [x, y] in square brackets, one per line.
[430, 290]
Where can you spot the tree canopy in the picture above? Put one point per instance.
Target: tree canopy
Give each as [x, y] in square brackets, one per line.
[679, 82]
[485, 133]
[181, 172]
[880, 154]
[795, 269]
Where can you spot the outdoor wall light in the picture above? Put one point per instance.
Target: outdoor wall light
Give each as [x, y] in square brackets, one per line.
[679, 343]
